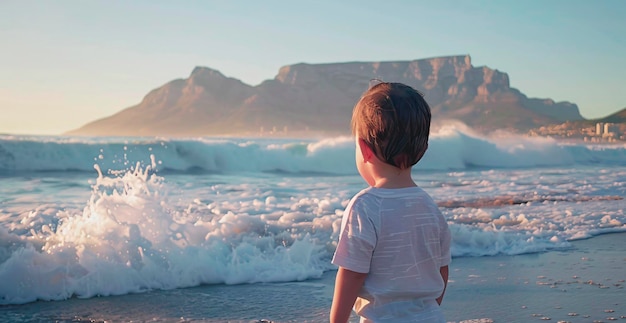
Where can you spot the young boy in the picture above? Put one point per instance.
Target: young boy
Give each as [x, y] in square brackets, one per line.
[394, 247]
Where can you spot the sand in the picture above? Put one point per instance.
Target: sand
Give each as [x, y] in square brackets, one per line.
[582, 284]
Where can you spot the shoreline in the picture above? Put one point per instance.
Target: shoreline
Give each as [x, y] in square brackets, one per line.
[584, 283]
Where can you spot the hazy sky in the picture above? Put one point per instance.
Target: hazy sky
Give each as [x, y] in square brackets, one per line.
[64, 63]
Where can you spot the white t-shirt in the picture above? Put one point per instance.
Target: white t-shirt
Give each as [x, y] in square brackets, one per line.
[401, 240]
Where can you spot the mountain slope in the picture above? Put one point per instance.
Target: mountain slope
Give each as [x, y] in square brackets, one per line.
[617, 117]
[319, 98]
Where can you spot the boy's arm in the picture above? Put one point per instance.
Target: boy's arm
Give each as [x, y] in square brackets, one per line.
[444, 274]
[347, 286]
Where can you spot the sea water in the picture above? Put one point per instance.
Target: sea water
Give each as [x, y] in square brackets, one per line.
[84, 217]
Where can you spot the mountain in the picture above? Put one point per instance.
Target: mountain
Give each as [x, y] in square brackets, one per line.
[617, 117]
[318, 98]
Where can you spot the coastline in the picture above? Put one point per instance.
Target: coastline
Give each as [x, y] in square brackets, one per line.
[584, 283]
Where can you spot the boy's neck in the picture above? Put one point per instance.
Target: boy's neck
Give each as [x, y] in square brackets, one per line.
[380, 174]
[389, 176]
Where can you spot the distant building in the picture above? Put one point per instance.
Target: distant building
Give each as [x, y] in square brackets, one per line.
[599, 128]
[601, 132]
[610, 130]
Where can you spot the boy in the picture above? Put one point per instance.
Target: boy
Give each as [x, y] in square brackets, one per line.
[394, 247]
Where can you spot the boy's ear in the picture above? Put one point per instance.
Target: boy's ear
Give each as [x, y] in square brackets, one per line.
[366, 151]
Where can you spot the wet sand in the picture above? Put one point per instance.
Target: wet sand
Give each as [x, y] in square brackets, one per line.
[582, 284]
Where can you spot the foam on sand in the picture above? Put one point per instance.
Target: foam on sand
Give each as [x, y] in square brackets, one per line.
[583, 284]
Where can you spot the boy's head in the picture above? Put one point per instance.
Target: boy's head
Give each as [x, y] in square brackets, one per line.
[393, 119]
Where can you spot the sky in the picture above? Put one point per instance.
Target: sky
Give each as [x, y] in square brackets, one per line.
[65, 63]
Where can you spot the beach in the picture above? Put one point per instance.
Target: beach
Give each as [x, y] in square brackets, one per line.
[581, 284]
[243, 230]
[584, 283]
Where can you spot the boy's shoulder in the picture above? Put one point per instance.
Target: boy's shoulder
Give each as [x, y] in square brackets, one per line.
[374, 195]
[414, 191]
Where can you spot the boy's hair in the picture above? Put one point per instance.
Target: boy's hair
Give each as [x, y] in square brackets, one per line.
[393, 119]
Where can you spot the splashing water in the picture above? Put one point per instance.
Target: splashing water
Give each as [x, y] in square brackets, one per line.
[230, 211]
[129, 239]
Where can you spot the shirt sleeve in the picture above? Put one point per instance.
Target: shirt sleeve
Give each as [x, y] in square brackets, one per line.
[357, 238]
[446, 241]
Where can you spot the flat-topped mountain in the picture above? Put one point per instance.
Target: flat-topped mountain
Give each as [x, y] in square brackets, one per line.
[318, 98]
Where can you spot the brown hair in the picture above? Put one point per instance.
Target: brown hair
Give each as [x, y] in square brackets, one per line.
[394, 121]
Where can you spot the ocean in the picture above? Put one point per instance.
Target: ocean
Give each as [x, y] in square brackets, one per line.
[86, 218]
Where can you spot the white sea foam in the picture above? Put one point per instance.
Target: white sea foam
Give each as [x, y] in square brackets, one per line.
[130, 238]
[268, 210]
[449, 149]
